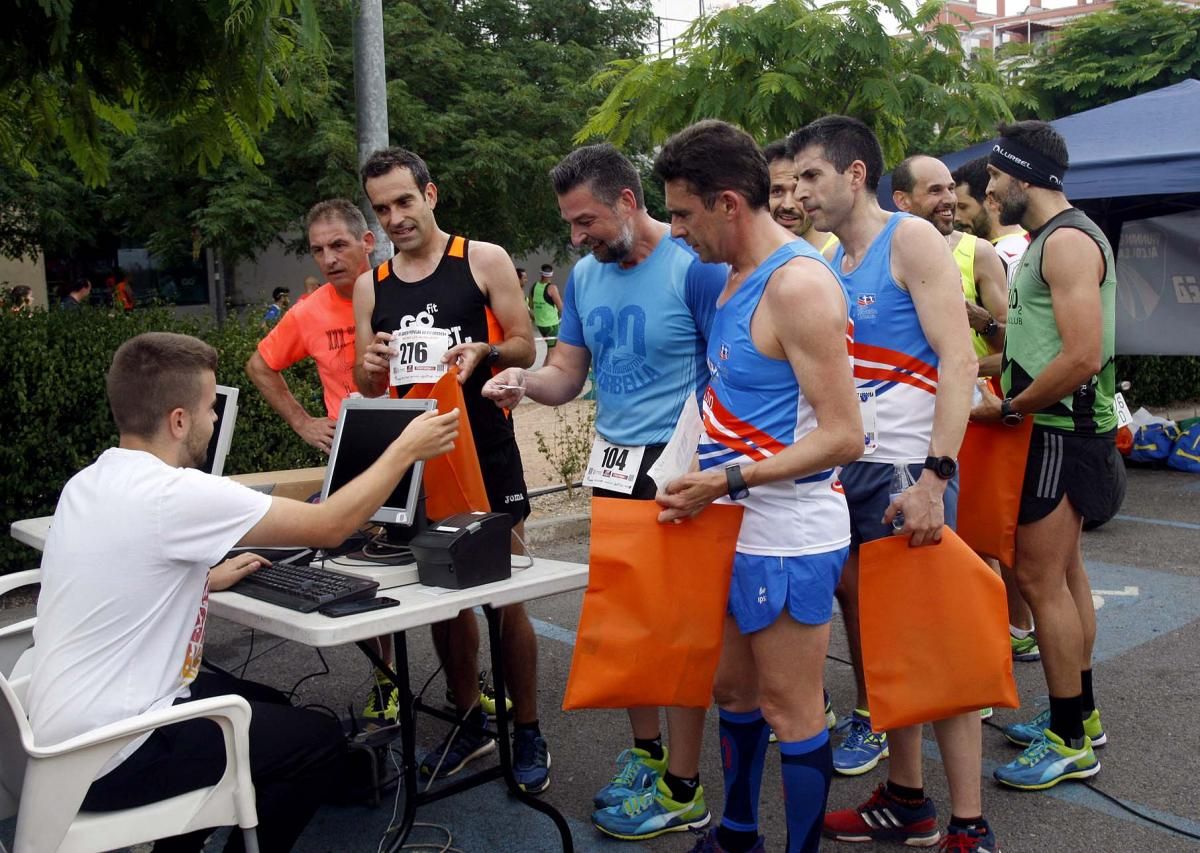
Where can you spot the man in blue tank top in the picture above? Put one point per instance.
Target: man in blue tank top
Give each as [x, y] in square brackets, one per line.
[638, 309]
[914, 365]
[780, 415]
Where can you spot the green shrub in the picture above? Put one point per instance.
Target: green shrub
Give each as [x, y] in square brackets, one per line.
[55, 418]
[1159, 380]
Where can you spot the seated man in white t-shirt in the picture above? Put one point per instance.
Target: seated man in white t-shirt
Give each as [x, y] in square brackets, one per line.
[121, 615]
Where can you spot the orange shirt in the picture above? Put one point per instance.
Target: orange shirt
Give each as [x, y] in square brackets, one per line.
[323, 327]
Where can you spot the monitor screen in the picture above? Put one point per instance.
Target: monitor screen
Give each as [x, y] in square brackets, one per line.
[365, 428]
[218, 445]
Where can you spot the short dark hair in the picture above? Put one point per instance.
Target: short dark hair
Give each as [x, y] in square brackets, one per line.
[547, 268]
[713, 156]
[344, 211]
[155, 373]
[903, 178]
[843, 140]
[1040, 137]
[777, 150]
[386, 160]
[604, 169]
[520, 271]
[81, 284]
[974, 176]
[16, 296]
[278, 292]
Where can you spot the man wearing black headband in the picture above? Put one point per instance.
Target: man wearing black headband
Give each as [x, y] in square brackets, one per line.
[1058, 370]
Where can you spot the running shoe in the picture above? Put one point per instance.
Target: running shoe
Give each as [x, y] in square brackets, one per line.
[708, 844]
[1025, 648]
[652, 813]
[985, 713]
[487, 698]
[861, 749]
[830, 719]
[1023, 734]
[383, 702]
[1046, 762]
[531, 761]
[979, 839]
[636, 771]
[460, 747]
[883, 818]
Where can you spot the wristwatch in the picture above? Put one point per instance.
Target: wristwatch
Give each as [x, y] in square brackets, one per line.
[990, 328]
[738, 490]
[492, 357]
[944, 466]
[1009, 415]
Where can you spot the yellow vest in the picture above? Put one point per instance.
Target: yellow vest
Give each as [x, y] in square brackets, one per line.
[964, 256]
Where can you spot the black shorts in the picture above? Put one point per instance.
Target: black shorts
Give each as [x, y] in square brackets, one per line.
[1082, 467]
[644, 487]
[504, 480]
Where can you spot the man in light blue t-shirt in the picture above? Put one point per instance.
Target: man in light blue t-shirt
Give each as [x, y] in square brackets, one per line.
[637, 309]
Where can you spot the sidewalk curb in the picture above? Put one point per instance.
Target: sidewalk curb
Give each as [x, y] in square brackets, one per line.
[545, 531]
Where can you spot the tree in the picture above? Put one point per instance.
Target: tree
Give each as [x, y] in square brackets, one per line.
[1135, 47]
[214, 72]
[771, 70]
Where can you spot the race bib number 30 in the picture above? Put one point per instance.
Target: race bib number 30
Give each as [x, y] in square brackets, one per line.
[613, 466]
[417, 355]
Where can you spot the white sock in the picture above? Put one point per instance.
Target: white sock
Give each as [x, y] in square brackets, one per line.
[1019, 633]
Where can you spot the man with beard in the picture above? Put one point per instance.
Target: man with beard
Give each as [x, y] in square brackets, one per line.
[784, 208]
[977, 214]
[437, 281]
[639, 307]
[923, 187]
[123, 607]
[913, 359]
[1058, 369]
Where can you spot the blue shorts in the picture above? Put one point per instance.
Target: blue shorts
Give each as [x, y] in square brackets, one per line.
[762, 585]
[868, 486]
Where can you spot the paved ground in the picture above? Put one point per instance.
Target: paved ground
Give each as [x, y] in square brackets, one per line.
[1143, 565]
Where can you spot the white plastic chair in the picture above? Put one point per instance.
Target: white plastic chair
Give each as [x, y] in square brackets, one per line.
[44, 786]
[17, 637]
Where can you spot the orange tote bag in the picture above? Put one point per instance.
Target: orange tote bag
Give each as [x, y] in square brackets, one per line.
[453, 481]
[934, 629]
[991, 466]
[654, 610]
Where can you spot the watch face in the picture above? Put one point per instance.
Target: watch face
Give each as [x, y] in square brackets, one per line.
[946, 467]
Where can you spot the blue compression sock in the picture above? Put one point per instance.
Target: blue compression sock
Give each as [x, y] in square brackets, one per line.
[807, 768]
[743, 751]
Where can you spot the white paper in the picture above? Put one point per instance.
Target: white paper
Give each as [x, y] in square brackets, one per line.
[866, 407]
[613, 466]
[677, 456]
[417, 355]
[1124, 417]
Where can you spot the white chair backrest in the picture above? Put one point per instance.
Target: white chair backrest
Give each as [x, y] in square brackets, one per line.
[14, 732]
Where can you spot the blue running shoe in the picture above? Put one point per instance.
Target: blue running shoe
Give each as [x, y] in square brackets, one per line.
[861, 749]
[1023, 734]
[975, 839]
[460, 747]
[708, 844]
[1046, 762]
[636, 771]
[531, 761]
[652, 813]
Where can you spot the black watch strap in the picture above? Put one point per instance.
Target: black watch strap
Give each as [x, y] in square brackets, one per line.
[738, 490]
[944, 466]
[493, 356]
[1008, 414]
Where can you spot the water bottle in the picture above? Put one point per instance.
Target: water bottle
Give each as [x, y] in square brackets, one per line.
[901, 481]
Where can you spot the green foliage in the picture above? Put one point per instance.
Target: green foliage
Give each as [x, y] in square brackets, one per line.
[1135, 47]
[216, 72]
[773, 69]
[1158, 380]
[569, 444]
[56, 420]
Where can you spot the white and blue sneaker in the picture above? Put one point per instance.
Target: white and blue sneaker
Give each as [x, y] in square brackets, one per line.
[1046, 762]
[1023, 734]
[636, 772]
[652, 813]
[861, 749]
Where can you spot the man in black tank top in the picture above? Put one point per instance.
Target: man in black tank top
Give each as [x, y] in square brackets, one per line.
[446, 282]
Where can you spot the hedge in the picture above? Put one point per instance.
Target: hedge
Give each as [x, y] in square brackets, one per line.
[1159, 380]
[55, 418]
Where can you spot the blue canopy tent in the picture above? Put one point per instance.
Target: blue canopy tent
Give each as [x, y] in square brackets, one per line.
[1132, 161]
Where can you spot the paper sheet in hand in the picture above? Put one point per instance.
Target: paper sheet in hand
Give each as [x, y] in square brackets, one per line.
[677, 456]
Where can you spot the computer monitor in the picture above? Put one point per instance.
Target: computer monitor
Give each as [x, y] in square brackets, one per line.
[365, 428]
[218, 445]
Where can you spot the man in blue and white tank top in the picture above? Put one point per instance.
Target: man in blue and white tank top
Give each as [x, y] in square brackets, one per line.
[914, 368]
[638, 309]
[780, 415]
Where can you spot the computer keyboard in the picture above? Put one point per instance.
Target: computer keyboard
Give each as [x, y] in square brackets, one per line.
[303, 588]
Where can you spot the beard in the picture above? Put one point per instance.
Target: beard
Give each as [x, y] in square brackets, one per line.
[615, 250]
[1013, 207]
[196, 447]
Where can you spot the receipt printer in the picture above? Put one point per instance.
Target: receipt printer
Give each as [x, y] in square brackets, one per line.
[464, 550]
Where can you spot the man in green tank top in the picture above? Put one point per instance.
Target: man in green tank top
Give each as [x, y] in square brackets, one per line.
[1057, 370]
[546, 304]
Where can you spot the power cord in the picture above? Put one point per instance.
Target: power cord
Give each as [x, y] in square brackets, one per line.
[325, 671]
[447, 847]
[527, 555]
